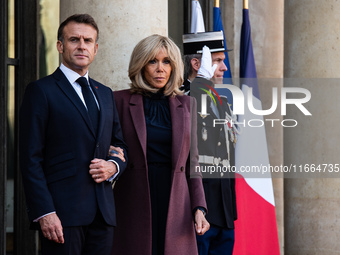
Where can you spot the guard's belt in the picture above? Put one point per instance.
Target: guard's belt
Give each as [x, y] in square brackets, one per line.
[204, 159]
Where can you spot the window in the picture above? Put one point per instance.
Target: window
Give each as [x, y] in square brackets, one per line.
[21, 35]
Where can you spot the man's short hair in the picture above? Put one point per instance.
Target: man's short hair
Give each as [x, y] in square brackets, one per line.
[78, 18]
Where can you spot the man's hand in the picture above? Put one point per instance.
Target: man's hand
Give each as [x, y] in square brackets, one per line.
[201, 224]
[117, 152]
[206, 69]
[51, 228]
[101, 170]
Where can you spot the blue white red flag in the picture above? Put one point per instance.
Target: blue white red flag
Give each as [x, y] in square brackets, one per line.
[255, 228]
[218, 26]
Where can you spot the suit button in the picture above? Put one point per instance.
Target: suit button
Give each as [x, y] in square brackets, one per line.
[219, 144]
[97, 145]
[182, 168]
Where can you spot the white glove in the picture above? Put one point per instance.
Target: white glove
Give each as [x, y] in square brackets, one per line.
[206, 69]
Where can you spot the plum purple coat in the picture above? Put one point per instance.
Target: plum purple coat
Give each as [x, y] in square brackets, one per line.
[133, 232]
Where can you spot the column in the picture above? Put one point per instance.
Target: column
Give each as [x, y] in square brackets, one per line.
[312, 52]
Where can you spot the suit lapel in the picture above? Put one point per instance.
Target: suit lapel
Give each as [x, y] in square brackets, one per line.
[138, 119]
[177, 122]
[68, 90]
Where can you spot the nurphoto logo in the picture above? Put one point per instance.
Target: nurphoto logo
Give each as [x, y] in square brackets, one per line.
[242, 99]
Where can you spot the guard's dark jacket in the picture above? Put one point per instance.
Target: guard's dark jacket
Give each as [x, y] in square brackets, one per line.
[212, 146]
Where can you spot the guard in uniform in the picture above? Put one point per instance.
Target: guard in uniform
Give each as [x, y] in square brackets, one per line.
[216, 146]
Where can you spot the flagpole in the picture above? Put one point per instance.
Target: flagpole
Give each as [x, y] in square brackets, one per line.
[217, 3]
[245, 4]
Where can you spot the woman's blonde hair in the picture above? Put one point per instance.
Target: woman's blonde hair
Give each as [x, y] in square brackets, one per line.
[146, 50]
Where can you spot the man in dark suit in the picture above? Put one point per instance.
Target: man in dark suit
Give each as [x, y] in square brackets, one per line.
[215, 142]
[66, 127]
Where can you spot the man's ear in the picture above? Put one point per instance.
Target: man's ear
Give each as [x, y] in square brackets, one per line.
[196, 64]
[96, 49]
[60, 47]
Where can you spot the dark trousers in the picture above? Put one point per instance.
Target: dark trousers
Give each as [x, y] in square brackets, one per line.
[216, 241]
[93, 239]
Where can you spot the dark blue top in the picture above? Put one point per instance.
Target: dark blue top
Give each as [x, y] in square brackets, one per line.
[158, 126]
[159, 137]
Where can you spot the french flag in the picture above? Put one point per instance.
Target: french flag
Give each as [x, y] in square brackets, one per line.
[255, 228]
[218, 26]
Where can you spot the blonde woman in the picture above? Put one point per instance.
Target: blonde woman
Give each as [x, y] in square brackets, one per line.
[159, 199]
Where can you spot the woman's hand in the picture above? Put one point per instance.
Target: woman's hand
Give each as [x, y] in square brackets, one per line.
[201, 224]
[116, 152]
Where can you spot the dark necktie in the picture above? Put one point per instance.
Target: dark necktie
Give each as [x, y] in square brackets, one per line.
[92, 108]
